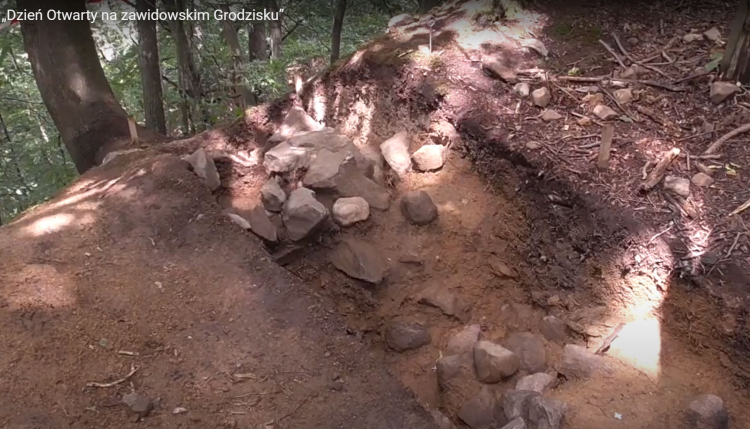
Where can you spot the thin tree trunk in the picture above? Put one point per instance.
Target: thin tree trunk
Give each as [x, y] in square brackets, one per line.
[257, 41]
[338, 22]
[233, 41]
[275, 29]
[72, 83]
[736, 61]
[148, 58]
[14, 158]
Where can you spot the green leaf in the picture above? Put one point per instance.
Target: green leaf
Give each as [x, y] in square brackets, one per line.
[713, 65]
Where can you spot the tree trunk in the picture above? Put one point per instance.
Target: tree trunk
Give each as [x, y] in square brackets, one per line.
[257, 41]
[230, 35]
[72, 83]
[275, 27]
[736, 61]
[338, 22]
[148, 57]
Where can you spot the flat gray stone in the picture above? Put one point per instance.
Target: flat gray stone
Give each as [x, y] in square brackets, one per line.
[541, 97]
[604, 112]
[261, 226]
[702, 180]
[496, 68]
[323, 169]
[522, 89]
[530, 351]
[302, 214]
[295, 122]
[402, 336]
[203, 165]
[538, 382]
[138, 404]
[272, 195]
[418, 208]
[351, 182]
[479, 411]
[395, 151]
[678, 185]
[547, 413]
[707, 412]
[348, 211]
[516, 403]
[720, 91]
[713, 34]
[463, 342]
[493, 362]
[581, 363]
[429, 157]
[359, 260]
[285, 158]
[441, 298]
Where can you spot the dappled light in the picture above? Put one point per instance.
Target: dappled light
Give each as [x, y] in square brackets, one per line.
[639, 344]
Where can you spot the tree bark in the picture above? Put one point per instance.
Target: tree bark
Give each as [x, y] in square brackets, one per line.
[257, 41]
[233, 41]
[338, 22]
[148, 58]
[275, 29]
[72, 83]
[736, 61]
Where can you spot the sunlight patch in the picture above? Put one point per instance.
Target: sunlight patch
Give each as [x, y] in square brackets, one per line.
[639, 345]
[56, 223]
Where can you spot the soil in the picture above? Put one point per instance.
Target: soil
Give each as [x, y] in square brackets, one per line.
[136, 266]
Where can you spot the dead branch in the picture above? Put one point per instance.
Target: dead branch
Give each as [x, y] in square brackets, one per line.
[617, 102]
[741, 208]
[133, 370]
[651, 114]
[666, 47]
[657, 174]
[583, 79]
[627, 55]
[715, 146]
[655, 84]
[604, 149]
[613, 53]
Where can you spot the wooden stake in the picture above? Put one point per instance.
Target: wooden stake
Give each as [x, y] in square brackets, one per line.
[133, 131]
[604, 149]
[660, 170]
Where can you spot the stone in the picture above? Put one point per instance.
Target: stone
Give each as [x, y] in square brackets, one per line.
[588, 89]
[348, 211]
[446, 132]
[581, 363]
[632, 72]
[547, 413]
[516, 403]
[479, 411]
[707, 412]
[441, 298]
[493, 362]
[350, 182]
[550, 115]
[535, 45]
[529, 349]
[604, 112]
[516, 423]
[624, 95]
[395, 151]
[204, 167]
[501, 269]
[402, 19]
[720, 91]
[454, 368]
[429, 157]
[402, 336]
[584, 122]
[295, 122]
[522, 89]
[441, 420]
[463, 342]
[323, 169]
[261, 225]
[702, 180]
[418, 208]
[677, 185]
[302, 214]
[138, 404]
[533, 145]
[239, 220]
[496, 68]
[554, 329]
[692, 37]
[359, 260]
[713, 34]
[541, 97]
[285, 158]
[538, 382]
[179, 410]
[272, 196]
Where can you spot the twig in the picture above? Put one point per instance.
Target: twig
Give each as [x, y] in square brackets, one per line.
[617, 102]
[608, 341]
[627, 55]
[582, 79]
[660, 234]
[731, 249]
[717, 144]
[741, 208]
[304, 401]
[675, 204]
[133, 370]
[613, 53]
[666, 47]
[694, 136]
[661, 168]
[656, 84]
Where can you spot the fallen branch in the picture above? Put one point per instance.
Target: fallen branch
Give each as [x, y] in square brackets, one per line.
[741, 208]
[617, 102]
[583, 79]
[133, 370]
[655, 84]
[666, 47]
[613, 53]
[717, 144]
[657, 174]
[608, 341]
[627, 55]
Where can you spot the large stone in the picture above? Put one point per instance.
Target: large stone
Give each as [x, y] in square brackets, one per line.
[395, 151]
[454, 368]
[702, 180]
[272, 196]
[138, 404]
[302, 214]
[516, 403]
[429, 157]
[536, 45]
[402, 336]
[554, 329]
[604, 112]
[720, 91]
[707, 412]
[284, 158]
[538, 382]
[324, 168]
[522, 89]
[493, 362]
[203, 165]
[442, 298]
[350, 182]
[348, 211]
[516, 423]
[441, 420]
[713, 34]
[496, 68]
[581, 363]
[530, 351]
[261, 225]
[463, 342]
[547, 413]
[677, 185]
[359, 260]
[418, 208]
[479, 411]
[541, 97]
[295, 122]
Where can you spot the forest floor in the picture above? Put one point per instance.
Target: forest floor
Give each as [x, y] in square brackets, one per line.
[135, 267]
